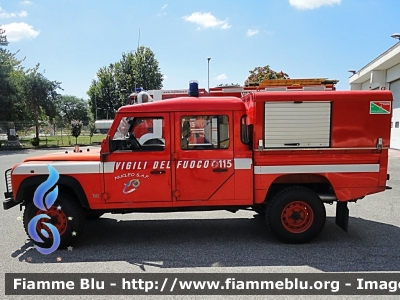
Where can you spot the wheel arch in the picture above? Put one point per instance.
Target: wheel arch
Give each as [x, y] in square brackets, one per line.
[66, 184]
[315, 182]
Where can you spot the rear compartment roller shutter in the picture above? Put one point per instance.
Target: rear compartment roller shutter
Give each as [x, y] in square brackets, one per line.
[305, 124]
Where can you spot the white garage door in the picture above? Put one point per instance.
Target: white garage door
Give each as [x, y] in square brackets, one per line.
[395, 134]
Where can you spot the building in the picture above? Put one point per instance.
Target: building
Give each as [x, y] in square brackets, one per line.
[383, 73]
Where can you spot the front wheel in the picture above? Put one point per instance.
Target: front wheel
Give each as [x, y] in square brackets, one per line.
[296, 215]
[65, 215]
[93, 215]
[259, 209]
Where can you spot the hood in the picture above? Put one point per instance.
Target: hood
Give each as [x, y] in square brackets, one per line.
[68, 155]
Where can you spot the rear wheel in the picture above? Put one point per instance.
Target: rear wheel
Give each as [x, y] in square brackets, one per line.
[65, 215]
[296, 215]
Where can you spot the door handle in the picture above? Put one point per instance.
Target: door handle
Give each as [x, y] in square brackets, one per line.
[220, 170]
[157, 172]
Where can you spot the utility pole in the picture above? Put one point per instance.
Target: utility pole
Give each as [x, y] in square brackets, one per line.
[208, 73]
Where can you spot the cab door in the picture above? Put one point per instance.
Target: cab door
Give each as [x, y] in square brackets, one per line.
[203, 157]
[138, 168]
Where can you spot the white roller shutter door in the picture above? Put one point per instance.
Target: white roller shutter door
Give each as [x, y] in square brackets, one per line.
[298, 125]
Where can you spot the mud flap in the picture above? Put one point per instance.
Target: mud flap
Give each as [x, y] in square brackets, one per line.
[342, 215]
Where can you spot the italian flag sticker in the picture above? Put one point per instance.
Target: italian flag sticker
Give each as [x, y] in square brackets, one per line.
[380, 107]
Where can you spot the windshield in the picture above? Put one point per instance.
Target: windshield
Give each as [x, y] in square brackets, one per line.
[139, 133]
[137, 126]
[123, 128]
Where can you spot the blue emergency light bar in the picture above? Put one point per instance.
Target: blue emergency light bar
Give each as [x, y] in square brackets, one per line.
[193, 88]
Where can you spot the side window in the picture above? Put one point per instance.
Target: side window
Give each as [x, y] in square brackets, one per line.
[138, 133]
[244, 130]
[205, 132]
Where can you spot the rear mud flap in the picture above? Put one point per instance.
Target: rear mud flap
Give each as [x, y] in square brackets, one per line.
[342, 215]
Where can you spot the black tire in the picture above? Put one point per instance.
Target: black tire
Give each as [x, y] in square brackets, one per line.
[296, 215]
[92, 214]
[69, 220]
[259, 209]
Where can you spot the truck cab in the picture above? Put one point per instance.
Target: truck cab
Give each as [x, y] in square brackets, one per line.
[177, 153]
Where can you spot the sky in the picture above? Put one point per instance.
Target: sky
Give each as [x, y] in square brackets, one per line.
[73, 39]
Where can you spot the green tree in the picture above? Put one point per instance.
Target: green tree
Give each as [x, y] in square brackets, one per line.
[103, 94]
[260, 73]
[11, 74]
[39, 95]
[74, 108]
[76, 128]
[114, 83]
[3, 37]
[139, 69]
[8, 87]
[24, 95]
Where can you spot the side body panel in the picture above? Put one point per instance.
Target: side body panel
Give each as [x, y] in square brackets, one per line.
[355, 162]
[85, 173]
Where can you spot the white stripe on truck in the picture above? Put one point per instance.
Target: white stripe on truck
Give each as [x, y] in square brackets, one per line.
[354, 168]
[64, 168]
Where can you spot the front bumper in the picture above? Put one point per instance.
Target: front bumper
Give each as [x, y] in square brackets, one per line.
[9, 203]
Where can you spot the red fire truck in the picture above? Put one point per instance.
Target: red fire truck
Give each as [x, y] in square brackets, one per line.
[281, 154]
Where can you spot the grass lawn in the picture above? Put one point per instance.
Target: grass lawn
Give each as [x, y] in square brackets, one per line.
[57, 141]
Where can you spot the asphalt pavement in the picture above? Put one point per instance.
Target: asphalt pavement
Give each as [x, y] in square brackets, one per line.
[209, 242]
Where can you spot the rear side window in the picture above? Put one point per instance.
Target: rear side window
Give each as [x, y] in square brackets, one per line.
[204, 132]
